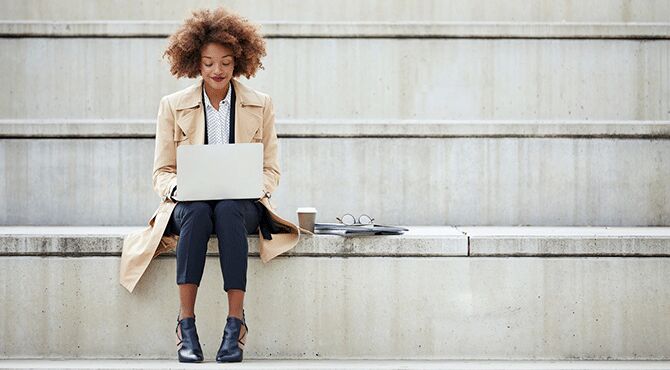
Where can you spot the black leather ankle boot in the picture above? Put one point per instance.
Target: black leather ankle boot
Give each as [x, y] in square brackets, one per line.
[232, 346]
[188, 347]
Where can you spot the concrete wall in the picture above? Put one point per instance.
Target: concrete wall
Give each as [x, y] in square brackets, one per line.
[428, 294]
[486, 65]
[414, 181]
[357, 78]
[353, 307]
[351, 10]
[561, 123]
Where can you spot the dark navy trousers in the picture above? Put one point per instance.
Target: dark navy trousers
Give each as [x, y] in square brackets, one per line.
[231, 221]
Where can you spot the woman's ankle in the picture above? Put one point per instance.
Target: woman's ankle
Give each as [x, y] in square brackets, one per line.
[185, 315]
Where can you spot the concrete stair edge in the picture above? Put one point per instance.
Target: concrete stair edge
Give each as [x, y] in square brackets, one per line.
[336, 364]
[420, 241]
[145, 128]
[529, 30]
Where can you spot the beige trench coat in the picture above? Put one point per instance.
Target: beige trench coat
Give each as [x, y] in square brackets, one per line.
[181, 122]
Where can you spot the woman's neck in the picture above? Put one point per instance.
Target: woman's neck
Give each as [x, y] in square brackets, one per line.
[215, 96]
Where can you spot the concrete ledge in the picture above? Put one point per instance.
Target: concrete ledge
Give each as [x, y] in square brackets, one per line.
[420, 241]
[319, 128]
[337, 364]
[342, 298]
[525, 30]
[427, 241]
[568, 241]
[349, 308]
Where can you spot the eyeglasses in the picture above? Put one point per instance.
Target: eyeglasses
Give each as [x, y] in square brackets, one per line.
[349, 219]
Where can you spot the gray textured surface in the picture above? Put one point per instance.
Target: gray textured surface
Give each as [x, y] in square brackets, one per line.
[349, 308]
[352, 10]
[338, 364]
[419, 79]
[384, 29]
[561, 241]
[415, 296]
[419, 240]
[315, 128]
[410, 181]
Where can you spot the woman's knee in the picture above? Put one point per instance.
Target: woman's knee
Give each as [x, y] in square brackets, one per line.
[199, 213]
[228, 208]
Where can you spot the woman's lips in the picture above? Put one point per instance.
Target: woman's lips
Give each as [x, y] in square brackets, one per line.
[218, 79]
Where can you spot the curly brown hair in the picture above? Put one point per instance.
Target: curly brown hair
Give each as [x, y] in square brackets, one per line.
[219, 26]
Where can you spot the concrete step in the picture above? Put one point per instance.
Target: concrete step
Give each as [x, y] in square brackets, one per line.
[337, 364]
[455, 79]
[557, 294]
[352, 10]
[423, 241]
[524, 30]
[108, 241]
[450, 173]
[355, 128]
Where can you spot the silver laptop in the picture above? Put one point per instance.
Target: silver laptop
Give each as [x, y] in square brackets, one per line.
[222, 171]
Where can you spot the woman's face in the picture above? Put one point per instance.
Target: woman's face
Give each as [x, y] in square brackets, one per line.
[216, 65]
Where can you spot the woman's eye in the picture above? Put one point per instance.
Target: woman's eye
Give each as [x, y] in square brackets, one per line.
[208, 65]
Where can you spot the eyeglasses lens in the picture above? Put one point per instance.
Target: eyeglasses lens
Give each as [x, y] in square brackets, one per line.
[365, 220]
[348, 219]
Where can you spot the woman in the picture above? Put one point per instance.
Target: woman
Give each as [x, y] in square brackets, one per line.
[217, 46]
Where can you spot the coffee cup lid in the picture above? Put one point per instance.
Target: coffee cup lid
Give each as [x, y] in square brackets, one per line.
[306, 210]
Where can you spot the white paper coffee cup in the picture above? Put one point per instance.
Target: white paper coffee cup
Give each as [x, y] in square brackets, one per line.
[307, 217]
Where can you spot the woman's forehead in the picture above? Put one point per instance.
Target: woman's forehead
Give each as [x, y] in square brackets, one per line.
[214, 50]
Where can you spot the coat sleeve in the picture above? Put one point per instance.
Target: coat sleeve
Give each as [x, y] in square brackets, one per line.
[271, 171]
[164, 176]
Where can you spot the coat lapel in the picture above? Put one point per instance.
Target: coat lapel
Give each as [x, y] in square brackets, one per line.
[248, 113]
[189, 114]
